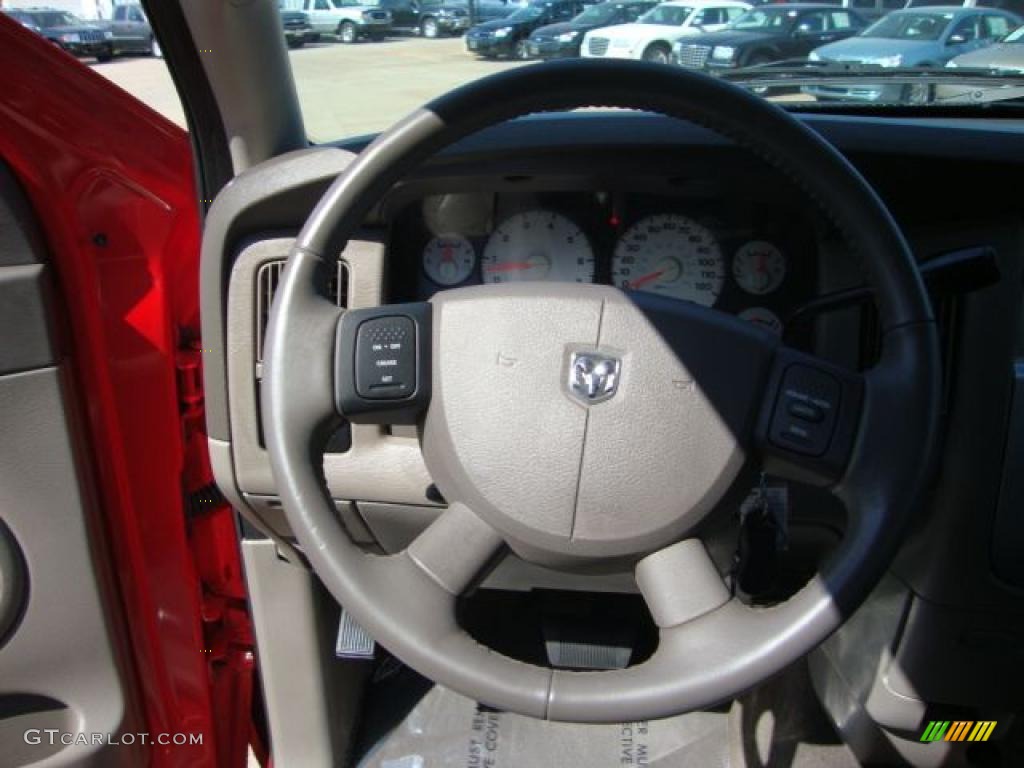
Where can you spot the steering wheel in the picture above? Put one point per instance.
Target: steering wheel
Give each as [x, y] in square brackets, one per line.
[588, 428]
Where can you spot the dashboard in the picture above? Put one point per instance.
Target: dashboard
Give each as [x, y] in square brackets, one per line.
[749, 257]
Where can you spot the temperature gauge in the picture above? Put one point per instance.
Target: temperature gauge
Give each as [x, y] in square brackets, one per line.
[759, 267]
[449, 259]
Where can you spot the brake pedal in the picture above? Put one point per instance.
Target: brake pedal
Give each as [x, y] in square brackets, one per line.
[568, 648]
[353, 642]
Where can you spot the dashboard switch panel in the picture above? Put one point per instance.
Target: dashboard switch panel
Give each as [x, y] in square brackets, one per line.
[382, 364]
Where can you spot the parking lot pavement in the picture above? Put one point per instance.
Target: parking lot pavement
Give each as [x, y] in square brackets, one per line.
[344, 90]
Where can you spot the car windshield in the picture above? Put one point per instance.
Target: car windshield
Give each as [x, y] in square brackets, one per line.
[527, 13]
[48, 19]
[910, 26]
[669, 15]
[356, 74]
[1017, 36]
[598, 14]
[765, 19]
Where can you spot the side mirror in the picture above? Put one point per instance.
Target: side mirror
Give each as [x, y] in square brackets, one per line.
[804, 30]
[956, 40]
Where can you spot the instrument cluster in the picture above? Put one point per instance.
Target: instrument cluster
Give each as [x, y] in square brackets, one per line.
[745, 258]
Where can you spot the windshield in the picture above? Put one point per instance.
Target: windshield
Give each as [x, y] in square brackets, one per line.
[358, 74]
[1017, 36]
[910, 26]
[670, 15]
[598, 14]
[48, 19]
[528, 13]
[765, 19]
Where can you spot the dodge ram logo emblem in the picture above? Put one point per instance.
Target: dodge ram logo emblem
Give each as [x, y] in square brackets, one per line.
[593, 377]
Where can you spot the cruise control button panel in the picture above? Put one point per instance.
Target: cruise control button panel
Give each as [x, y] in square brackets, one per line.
[382, 364]
[805, 414]
[386, 358]
[810, 418]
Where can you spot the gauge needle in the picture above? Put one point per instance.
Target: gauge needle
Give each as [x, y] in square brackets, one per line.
[511, 266]
[645, 279]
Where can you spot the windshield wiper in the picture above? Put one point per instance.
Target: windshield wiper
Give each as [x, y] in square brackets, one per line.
[795, 72]
[927, 86]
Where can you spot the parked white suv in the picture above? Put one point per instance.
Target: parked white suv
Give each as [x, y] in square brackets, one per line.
[349, 20]
[652, 35]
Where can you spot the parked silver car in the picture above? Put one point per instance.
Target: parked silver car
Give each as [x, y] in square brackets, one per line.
[1005, 57]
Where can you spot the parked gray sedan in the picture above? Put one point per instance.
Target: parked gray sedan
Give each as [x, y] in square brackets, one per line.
[911, 38]
[1005, 56]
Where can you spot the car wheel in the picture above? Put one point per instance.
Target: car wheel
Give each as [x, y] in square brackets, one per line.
[103, 58]
[154, 49]
[347, 32]
[296, 42]
[521, 51]
[428, 27]
[757, 60]
[658, 53]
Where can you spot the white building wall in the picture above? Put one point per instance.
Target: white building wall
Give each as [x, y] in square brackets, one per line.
[87, 9]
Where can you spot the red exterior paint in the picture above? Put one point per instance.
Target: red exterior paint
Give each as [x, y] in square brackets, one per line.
[112, 182]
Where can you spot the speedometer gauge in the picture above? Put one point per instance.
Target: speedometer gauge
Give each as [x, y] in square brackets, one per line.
[449, 259]
[670, 255]
[538, 245]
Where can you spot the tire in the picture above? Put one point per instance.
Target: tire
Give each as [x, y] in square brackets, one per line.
[296, 43]
[657, 53]
[429, 28]
[521, 52]
[757, 60]
[347, 32]
[154, 49]
[103, 58]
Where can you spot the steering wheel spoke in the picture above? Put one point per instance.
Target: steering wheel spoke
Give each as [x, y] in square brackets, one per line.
[456, 548]
[680, 583]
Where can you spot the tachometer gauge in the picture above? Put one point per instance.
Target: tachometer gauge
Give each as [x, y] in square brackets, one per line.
[759, 267]
[538, 245]
[670, 255]
[764, 318]
[449, 259]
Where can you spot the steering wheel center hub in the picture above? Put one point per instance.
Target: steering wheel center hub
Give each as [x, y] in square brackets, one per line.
[537, 388]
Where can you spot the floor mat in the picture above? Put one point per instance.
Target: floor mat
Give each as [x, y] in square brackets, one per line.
[778, 724]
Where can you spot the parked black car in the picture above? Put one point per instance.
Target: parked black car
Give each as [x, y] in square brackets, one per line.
[561, 40]
[297, 29]
[767, 34]
[77, 37]
[508, 36]
[436, 18]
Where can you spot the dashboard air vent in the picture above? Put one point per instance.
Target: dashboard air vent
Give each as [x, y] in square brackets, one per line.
[268, 278]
